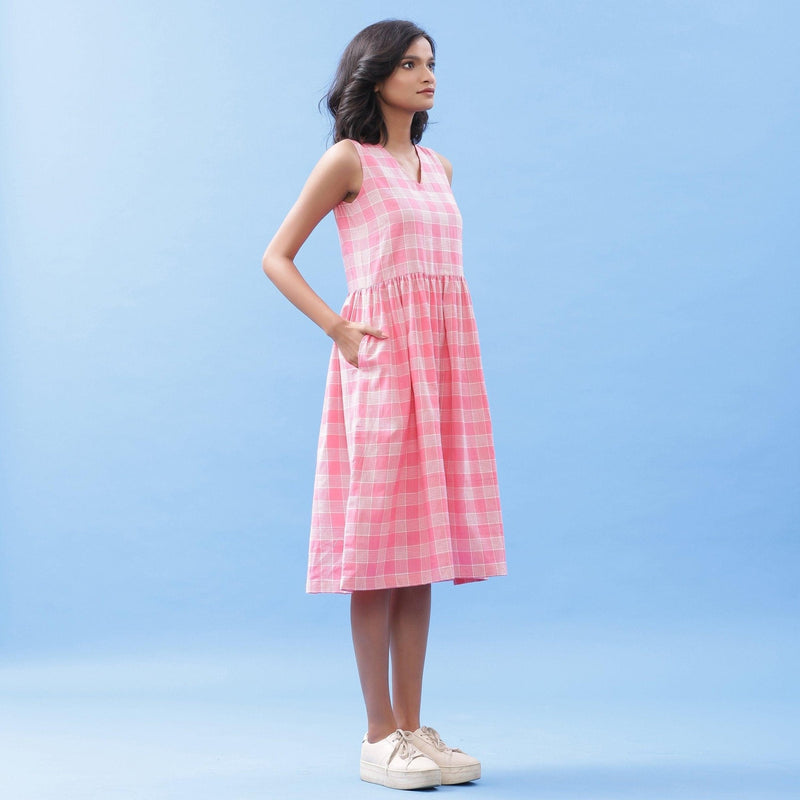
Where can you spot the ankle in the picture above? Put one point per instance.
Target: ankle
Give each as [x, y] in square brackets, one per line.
[378, 732]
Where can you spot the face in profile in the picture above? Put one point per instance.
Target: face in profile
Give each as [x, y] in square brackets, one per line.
[411, 85]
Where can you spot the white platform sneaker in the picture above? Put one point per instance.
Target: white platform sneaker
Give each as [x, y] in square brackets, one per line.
[456, 766]
[395, 762]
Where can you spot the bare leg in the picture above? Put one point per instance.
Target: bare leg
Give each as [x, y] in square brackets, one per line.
[369, 619]
[409, 621]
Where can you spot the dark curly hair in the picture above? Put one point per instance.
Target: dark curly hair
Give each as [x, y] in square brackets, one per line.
[370, 57]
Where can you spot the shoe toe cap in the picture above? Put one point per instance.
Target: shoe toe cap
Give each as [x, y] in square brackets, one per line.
[422, 764]
[463, 760]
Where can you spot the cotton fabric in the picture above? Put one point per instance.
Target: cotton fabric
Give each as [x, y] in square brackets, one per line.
[405, 489]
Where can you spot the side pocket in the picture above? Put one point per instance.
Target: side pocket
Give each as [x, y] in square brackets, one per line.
[360, 357]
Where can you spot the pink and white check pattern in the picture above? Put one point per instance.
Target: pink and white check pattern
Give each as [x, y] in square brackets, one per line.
[405, 490]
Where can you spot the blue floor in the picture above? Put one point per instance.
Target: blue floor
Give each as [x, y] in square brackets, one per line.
[563, 712]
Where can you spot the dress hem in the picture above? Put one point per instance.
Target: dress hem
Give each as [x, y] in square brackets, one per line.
[331, 587]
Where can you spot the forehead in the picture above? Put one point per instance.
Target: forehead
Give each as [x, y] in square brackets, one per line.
[419, 47]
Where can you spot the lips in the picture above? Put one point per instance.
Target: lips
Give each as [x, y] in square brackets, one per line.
[426, 91]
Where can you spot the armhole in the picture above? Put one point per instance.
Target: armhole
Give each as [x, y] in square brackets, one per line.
[360, 153]
[432, 157]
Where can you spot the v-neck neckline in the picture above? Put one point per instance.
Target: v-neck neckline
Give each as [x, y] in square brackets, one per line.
[401, 168]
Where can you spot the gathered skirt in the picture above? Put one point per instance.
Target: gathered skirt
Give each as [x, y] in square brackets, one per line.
[406, 490]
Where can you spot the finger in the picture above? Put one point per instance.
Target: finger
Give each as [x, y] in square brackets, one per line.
[374, 331]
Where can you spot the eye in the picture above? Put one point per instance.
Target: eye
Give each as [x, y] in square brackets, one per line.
[408, 63]
[432, 66]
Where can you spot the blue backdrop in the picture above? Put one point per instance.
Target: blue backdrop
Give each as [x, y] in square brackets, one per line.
[628, 177]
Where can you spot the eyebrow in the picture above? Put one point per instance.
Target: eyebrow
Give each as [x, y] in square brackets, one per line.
[416, 58]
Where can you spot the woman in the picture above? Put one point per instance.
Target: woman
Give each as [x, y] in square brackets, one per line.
[405, 491]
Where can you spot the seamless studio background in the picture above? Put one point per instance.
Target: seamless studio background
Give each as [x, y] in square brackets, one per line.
[628, 177]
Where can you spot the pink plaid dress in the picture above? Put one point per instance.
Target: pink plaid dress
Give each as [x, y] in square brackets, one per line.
[405, 491]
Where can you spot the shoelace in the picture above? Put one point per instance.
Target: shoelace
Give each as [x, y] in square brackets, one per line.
[433, 737]
[403, 747]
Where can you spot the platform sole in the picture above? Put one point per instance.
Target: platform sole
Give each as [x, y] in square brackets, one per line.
[469, 772]
[395, 779]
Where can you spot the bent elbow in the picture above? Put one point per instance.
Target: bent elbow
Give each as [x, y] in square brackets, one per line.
[274, 263]
[266, 264]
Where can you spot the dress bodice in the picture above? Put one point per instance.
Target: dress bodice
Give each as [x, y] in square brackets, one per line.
[397, 225]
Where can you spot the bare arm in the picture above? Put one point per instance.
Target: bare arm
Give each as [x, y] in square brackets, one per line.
[336, 176]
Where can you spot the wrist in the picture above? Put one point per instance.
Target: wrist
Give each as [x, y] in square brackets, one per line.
[335, 326]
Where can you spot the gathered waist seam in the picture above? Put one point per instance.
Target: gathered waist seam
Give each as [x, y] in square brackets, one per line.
[395, 278]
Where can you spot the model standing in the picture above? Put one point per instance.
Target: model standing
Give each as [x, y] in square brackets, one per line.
[405, 491]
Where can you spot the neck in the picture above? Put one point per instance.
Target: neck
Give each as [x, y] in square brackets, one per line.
[398, 129]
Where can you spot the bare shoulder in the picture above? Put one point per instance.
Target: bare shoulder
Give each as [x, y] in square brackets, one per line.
[448, 167]
[341, 163]
[344, 149]
[341, 157]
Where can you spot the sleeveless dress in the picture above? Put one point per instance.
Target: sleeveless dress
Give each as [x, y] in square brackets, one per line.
[405, 490]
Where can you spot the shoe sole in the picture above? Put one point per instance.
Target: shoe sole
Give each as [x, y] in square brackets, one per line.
[394, 779]
[451, 775]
